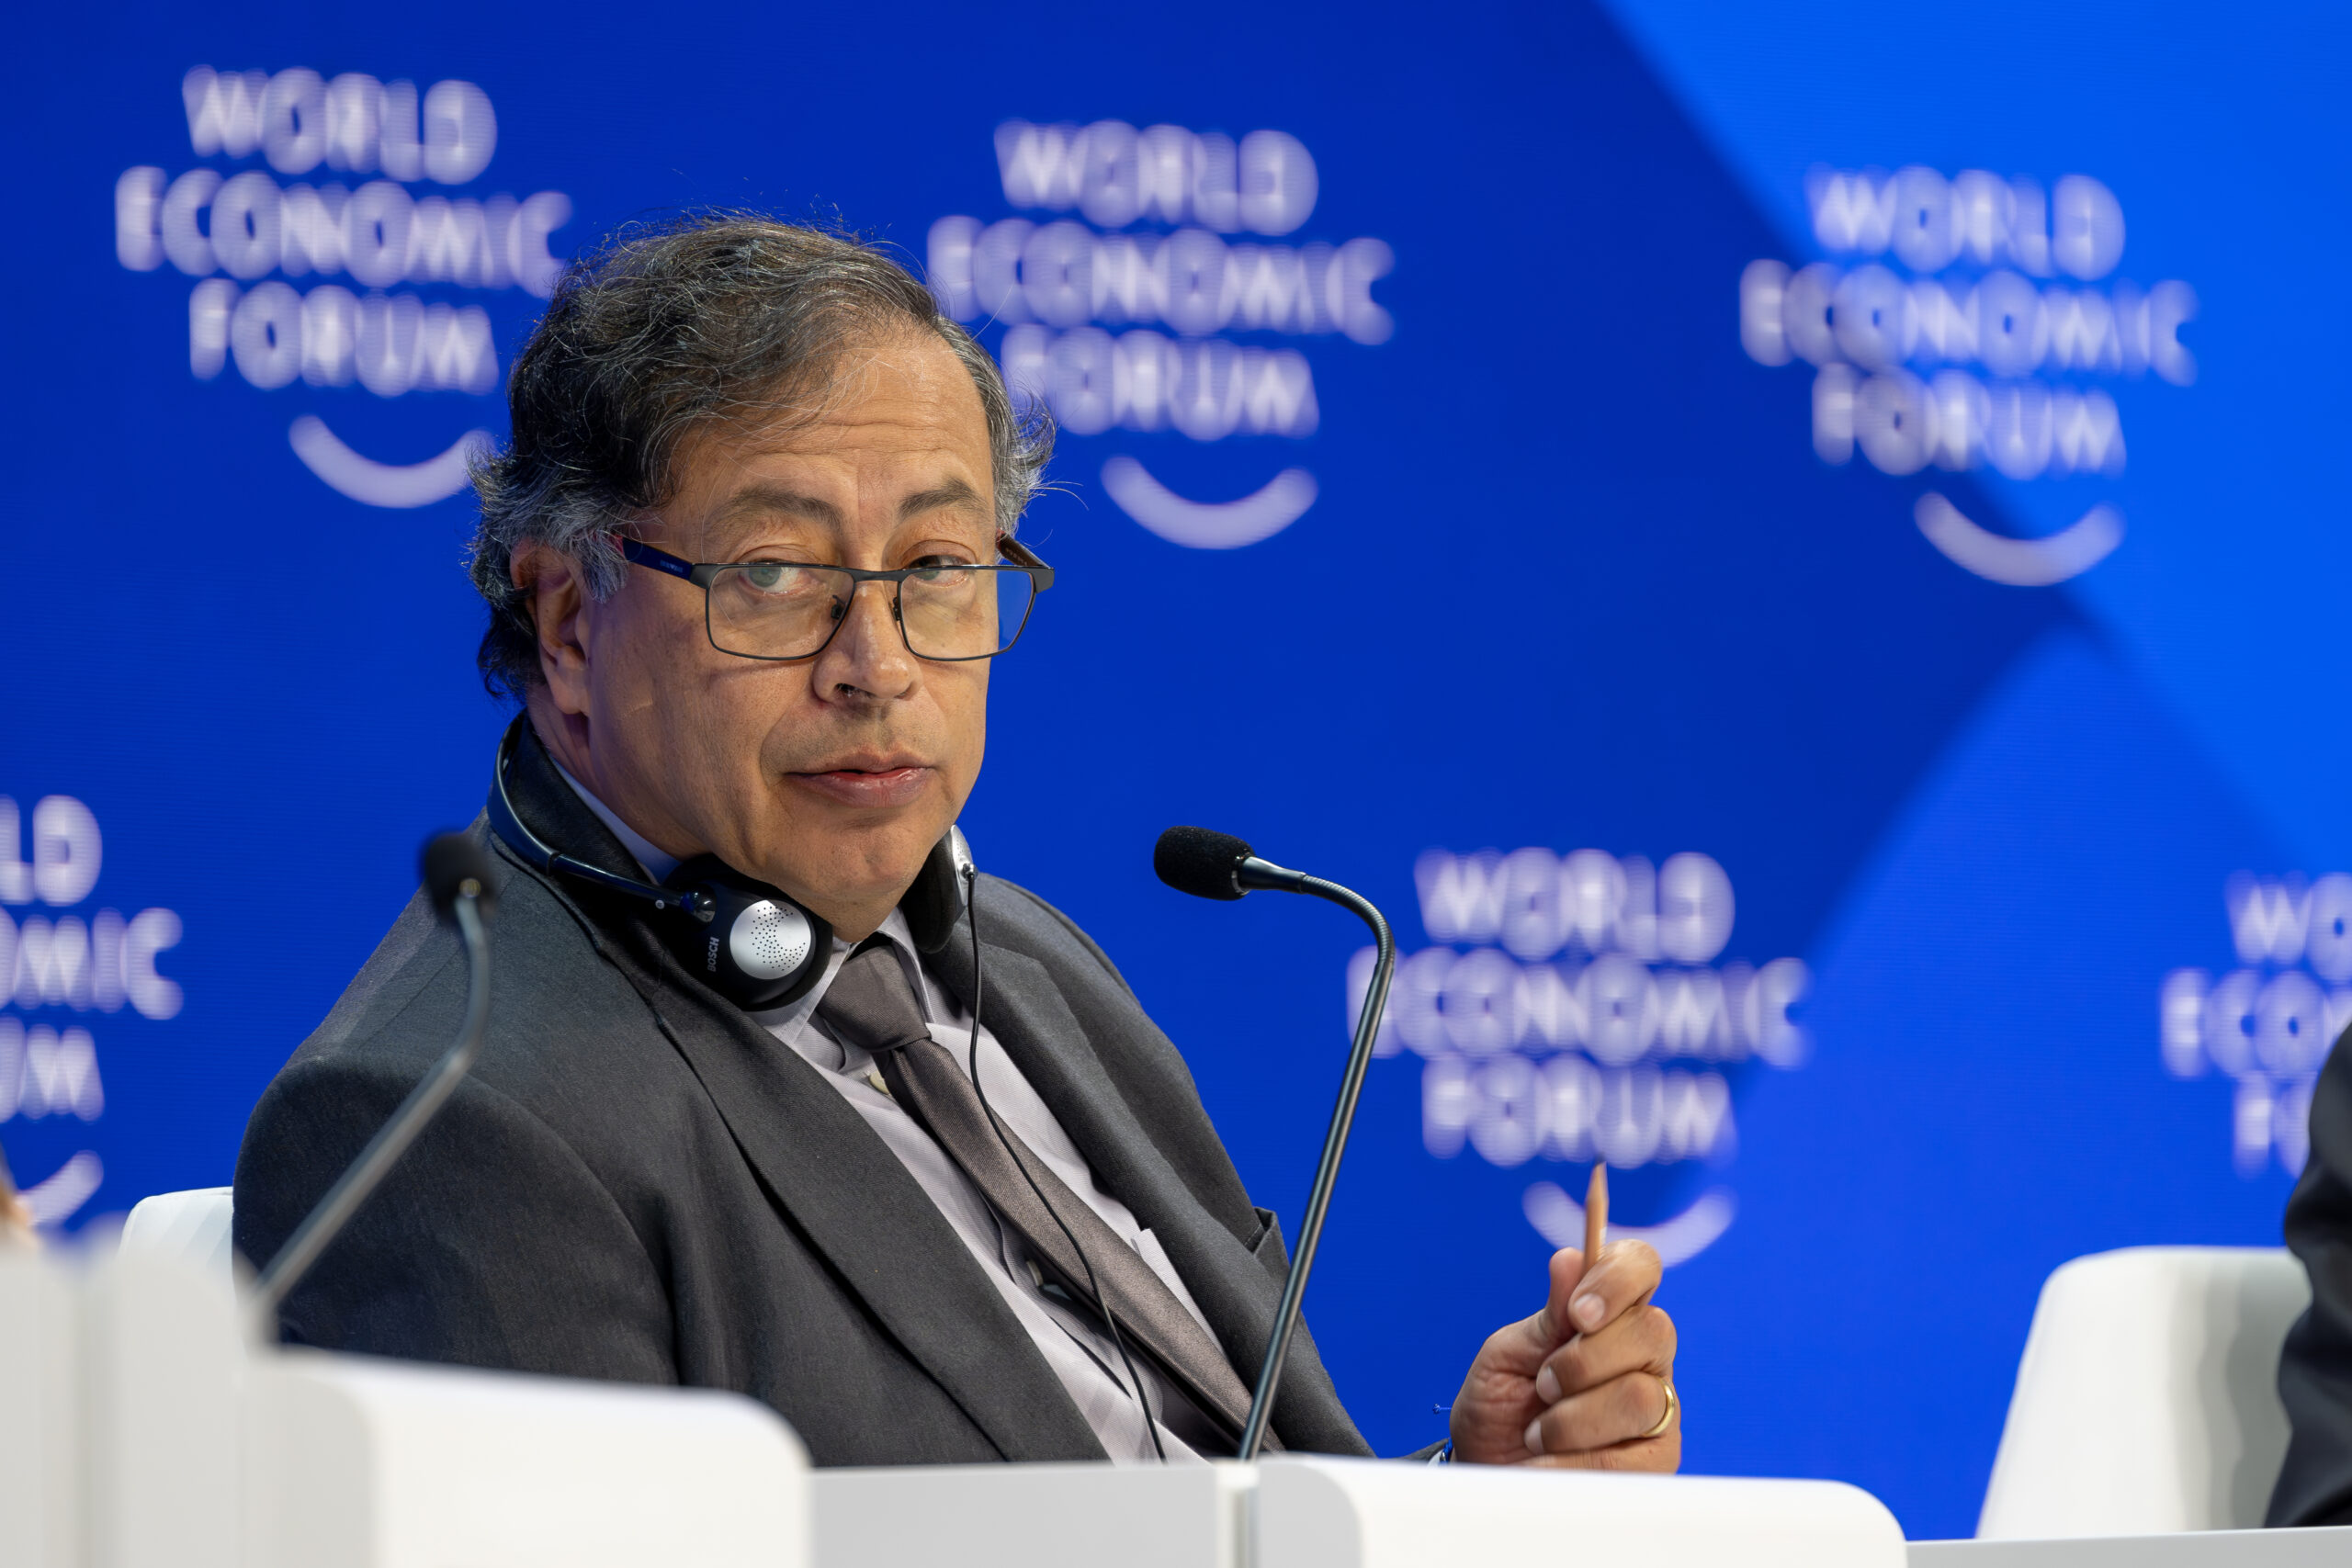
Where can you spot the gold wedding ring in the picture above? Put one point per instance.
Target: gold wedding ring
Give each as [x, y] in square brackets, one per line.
[1673, 1405]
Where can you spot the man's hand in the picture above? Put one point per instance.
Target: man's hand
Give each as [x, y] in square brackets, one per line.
[1577, 1385]
[16, 1222]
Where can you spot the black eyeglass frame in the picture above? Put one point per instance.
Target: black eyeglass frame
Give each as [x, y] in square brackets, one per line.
[702, 574]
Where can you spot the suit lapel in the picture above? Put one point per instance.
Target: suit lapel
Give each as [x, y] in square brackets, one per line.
[849, 1195]
[1024, 1009]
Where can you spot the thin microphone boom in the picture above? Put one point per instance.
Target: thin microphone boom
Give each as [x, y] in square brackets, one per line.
[456, 875]
[1218, 865]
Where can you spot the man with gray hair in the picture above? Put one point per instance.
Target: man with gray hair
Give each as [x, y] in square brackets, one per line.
[779, 1096]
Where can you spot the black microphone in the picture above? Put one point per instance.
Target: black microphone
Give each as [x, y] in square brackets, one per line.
[456, 873]
[452, 867]
[1209, 865]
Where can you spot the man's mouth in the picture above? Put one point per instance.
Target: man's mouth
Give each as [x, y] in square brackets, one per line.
[881, 782]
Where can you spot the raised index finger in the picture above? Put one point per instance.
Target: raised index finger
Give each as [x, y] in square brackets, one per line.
[1624, 1277]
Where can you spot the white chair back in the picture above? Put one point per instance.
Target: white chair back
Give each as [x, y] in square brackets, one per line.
[192, 1226]
[2147, 1399]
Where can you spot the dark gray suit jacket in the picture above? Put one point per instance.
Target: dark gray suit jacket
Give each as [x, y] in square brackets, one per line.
[638, 1183]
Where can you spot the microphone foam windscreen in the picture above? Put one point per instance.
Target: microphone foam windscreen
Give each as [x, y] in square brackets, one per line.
[1199, 861]
[449, 861]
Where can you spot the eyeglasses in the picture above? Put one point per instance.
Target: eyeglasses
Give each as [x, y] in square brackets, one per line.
[789, 610]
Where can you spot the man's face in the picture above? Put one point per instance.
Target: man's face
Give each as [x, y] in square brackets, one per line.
[830, 777]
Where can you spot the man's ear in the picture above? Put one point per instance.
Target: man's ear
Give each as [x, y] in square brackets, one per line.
[560, 613]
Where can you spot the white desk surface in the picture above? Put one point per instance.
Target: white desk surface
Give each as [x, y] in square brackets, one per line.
[2326, 1548]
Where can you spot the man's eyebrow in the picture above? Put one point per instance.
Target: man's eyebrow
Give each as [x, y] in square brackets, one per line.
[765, 497]
[955, 492]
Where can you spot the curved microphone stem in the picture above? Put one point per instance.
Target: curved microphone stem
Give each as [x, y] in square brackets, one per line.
[1335, 1142]
[391, 1140]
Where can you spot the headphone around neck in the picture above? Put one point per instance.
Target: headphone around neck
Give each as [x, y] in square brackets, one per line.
[751, 943]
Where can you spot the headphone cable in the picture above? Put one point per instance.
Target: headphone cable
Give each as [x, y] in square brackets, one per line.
[972, 1064]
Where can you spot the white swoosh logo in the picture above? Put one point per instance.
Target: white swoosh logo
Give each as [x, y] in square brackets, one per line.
[1560, 1220]
[383, 484]
[67, 1191]
[2021, 563]
[1204, 525]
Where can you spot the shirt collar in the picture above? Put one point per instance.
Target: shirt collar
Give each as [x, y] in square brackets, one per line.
[794, 1023]
[656, 864]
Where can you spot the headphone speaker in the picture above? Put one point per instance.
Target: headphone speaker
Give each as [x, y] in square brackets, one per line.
[749, 942]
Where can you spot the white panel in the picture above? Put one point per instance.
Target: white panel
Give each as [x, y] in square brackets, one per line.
[40, 1418]
[2147, 1398]
[1031, 1515]
[2324, 1548]
[354, 1462]
[1335, 1513]
[166, 1356]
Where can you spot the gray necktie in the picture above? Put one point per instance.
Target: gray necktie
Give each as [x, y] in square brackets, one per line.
[871, 1005]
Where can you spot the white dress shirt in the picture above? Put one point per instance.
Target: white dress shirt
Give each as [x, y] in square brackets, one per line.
[1073, 1344]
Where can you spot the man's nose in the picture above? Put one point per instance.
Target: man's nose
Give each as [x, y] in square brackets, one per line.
[868, 652]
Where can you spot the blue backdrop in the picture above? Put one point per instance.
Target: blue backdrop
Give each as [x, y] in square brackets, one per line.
[1796, 561]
